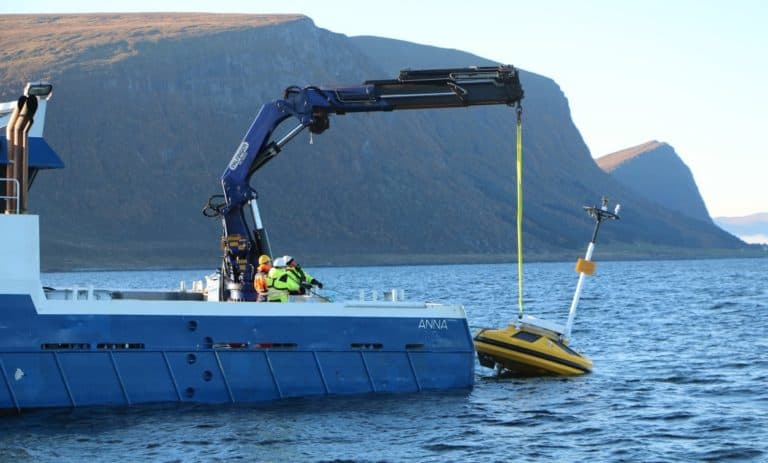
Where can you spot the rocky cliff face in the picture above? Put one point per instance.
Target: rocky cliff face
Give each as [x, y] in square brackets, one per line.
[146, 119]
[655, 171]
[559, 171]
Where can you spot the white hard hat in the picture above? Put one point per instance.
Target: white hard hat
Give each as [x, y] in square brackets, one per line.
[279, 262]
[288, 259]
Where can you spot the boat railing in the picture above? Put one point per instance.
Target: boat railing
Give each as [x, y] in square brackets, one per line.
[393, 295]
[92, 294]
[15, 196]
[77, 294]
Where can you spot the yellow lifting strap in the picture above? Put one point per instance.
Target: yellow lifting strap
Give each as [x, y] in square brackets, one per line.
[520, 209]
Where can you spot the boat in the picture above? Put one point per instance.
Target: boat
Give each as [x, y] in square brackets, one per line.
[530, 346]
[214, 343]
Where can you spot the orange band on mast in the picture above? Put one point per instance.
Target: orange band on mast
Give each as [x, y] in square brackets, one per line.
[586, 267]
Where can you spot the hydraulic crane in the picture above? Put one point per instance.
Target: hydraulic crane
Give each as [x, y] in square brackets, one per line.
[311, 107]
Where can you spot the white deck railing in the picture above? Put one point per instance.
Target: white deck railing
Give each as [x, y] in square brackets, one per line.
[15, 196]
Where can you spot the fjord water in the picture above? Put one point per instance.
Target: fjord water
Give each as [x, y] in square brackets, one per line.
[680, 351]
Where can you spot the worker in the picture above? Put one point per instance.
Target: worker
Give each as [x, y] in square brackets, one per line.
[260, 280]
[279, 285]
[305, 280]
[287, 279]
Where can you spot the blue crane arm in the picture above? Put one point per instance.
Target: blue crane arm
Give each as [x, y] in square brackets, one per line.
[311, 107]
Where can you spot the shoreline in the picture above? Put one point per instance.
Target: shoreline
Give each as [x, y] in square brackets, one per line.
[393, 260]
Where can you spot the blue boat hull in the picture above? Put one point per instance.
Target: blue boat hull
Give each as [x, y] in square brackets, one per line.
[81, 359]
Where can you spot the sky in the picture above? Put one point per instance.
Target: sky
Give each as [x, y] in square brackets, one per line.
[689, 73]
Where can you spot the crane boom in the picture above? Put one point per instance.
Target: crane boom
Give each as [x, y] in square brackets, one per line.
[311, 107]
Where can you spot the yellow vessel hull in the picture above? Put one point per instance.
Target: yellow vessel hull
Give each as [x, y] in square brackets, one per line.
[523, 352]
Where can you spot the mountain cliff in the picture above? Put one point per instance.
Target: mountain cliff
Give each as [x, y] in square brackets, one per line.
[655, 171]
[148, 109]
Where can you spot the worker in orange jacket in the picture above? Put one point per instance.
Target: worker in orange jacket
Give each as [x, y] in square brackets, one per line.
[260, 280]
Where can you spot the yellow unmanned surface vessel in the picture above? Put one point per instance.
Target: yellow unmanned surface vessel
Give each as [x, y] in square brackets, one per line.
[534, 347]
[525, 349]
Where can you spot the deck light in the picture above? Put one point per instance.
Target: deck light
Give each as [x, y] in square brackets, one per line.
[39, 89]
